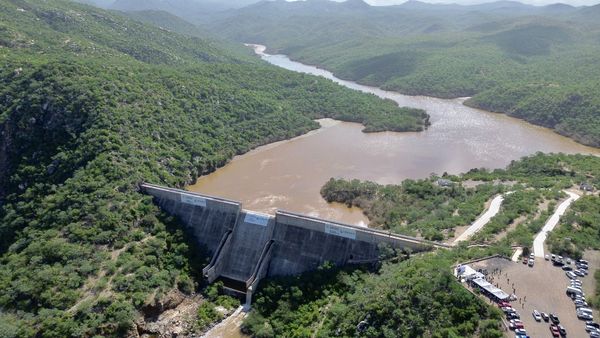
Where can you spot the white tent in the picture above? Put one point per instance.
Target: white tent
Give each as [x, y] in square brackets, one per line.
[465, 272]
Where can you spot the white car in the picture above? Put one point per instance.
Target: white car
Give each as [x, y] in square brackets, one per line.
[537, 316]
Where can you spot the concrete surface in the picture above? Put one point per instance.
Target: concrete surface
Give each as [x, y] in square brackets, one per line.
[246, 245]
[481, 221]
[538, 242]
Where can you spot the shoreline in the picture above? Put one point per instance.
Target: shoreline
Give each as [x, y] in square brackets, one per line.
[260, 50]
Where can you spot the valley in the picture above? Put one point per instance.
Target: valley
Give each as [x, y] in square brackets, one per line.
[454, 132]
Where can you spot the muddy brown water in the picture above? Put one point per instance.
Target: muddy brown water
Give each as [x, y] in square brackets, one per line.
[289, 175]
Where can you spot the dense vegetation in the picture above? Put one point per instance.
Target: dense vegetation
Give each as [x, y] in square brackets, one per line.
[409, 298]
[427, 209]
[419, 207]
[540, 64]
[580, 228]
[93, 103]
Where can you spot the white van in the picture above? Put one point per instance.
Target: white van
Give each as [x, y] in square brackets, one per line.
[585, 310]
[573, 291]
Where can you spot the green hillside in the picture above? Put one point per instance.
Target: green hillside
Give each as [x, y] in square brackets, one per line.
[540, 64]
[91, 104]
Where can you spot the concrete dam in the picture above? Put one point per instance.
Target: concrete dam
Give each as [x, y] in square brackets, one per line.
[246, 246]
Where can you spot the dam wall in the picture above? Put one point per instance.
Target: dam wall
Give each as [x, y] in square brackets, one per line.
[252, 233]
[208, 218]
[246, 246]
[303, 243]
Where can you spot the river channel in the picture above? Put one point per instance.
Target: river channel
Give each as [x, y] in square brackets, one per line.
[289, 174]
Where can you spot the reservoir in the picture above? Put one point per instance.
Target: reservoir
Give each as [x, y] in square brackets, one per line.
[289, 174]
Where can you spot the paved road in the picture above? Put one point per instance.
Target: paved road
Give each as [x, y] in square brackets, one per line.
[481, 221]
[538, 242]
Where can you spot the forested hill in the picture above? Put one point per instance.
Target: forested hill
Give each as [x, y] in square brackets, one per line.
[541, 64]
[91, 104]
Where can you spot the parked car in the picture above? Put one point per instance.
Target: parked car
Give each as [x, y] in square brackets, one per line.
[515, 325]
[579, 273]
[582, 261]
[561, 330]
[571, 275]
[545, 316]
[521, 332]
[513, 315]
[554, 319]
[537, 316]
[568, 261]
[530, 262]
[554, 331]
[573, 290]
[567, 268]
[589, 328]
[524, 260]
[547, 257]
[595, 334]
[584, 316]
[593, 324]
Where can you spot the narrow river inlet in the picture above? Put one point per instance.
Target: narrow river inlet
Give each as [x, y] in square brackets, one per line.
[288, 175]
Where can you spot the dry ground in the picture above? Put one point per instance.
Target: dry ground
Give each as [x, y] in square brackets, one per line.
[541, 287]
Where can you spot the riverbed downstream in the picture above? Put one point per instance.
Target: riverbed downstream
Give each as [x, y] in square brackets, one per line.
[289, 175]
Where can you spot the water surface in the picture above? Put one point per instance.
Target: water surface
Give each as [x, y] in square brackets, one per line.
[288, 175]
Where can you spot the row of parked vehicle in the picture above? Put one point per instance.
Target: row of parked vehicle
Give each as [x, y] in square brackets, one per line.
[529, 261]
[575, 291]
[556, 329]
[514, 319]
[580, 269]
